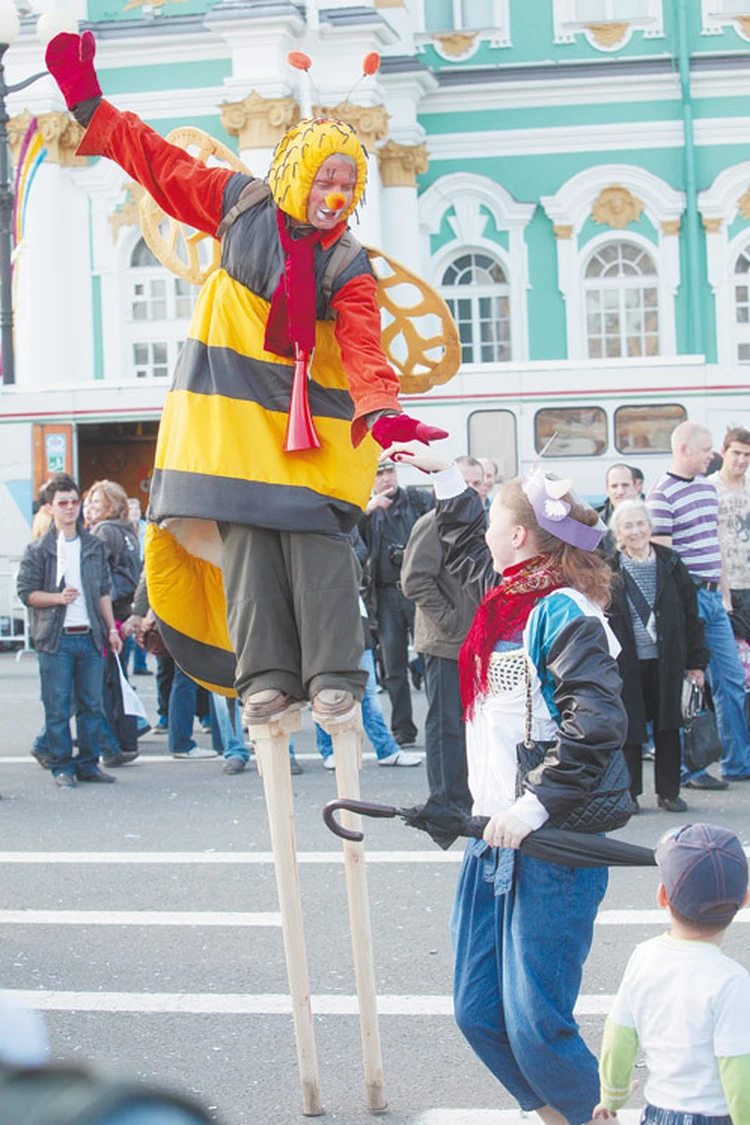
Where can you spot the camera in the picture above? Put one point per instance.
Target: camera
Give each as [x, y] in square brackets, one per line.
[396, 553]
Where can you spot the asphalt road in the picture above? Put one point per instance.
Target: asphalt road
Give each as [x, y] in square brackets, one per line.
[186, 985]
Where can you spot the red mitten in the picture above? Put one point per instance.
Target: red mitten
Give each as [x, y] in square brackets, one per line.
[70, 61]
[395, 428]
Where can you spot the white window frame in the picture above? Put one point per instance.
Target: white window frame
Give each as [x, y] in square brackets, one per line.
[719, 206]
[468, 194]
[567, 26]
[475, 292]
[619, 285]
[570, 208]
[498, 34]
[170, 330]
[715, 23]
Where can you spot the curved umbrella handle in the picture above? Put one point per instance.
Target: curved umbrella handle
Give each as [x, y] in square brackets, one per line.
[364, 808]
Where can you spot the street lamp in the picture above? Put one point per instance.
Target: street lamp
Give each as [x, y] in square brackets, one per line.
[9, 31]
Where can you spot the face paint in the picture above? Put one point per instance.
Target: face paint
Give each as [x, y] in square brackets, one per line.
[334, 201]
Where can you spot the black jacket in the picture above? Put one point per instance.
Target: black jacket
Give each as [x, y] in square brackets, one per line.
[587, 686]
[680, 641]
[444, 611]
[38, 571]
[124, 555]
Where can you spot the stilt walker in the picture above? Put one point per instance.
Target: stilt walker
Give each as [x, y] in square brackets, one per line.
[268, 445]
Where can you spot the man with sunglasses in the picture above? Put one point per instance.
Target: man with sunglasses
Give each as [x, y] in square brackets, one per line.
[64, 579]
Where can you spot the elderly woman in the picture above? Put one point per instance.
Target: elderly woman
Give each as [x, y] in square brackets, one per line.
[654, 615]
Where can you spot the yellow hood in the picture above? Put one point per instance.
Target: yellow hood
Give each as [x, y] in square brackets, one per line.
[300, 153]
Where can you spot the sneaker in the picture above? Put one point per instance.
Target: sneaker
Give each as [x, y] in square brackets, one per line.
[672, 804]
[197, 754]
[162, 727]
[65, 781]
[295, 767]
[114, 761]
[329, 763]
[234, 765]
[400, 758]
[97, 775]
[143, 730]
[45, 760]
[206, 726]
[706, 781]
[735, 777]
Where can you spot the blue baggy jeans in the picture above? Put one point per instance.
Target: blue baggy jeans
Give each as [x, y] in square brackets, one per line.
[72, 681]
[519, 949]
[727, 680]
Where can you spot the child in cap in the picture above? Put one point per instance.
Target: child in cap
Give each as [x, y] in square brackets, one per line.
[682, 1001]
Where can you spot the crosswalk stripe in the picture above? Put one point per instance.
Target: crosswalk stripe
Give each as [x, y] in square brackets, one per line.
[263, 1004]
[647, 917]
[312, 756]
[229, 858]
[136, 918]
[501, 1117]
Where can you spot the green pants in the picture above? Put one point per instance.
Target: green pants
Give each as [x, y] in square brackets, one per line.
[292, 611]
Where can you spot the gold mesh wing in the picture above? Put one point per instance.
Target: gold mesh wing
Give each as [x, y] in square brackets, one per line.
[174, 244]
[420, 337]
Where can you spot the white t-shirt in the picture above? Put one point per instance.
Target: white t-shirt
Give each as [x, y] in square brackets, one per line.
[690, 1005]
[76, 613]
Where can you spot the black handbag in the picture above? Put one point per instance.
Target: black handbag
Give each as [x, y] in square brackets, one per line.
[604, 808]
[701, 743]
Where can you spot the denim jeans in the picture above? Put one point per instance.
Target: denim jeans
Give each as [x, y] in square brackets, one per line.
[72, 680]
[727, 680]
[652, 1115]
[373, 719]
[518, 962]
[226, 727]
[181, 712]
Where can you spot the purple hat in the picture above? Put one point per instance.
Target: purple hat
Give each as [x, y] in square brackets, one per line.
[704, 872]
[552, 512]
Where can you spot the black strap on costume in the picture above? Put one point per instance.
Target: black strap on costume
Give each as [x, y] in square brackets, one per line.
[344, 252]
[640, 605]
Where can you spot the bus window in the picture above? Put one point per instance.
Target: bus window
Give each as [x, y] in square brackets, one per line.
[492, 433]
[647, 429]
[581, 431]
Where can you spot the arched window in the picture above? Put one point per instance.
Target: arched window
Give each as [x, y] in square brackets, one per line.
[476, 291]
[742, 305]
[622, 302]
[160, 307]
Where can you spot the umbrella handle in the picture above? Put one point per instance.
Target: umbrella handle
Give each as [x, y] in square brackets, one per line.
[364, 808]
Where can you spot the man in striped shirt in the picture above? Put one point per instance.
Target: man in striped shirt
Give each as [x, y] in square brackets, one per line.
[685, 509]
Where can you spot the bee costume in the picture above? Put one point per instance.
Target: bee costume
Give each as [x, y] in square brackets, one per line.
[249, 570]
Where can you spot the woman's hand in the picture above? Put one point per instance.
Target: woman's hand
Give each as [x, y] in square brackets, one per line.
[132, 625]
[506, 831]
[601, 1112]
[414, 453]
[698, 675]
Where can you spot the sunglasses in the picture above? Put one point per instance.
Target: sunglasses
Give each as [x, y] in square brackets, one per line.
[67, 503]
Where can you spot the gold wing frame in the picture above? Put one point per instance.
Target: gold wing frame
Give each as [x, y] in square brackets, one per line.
[420, 338]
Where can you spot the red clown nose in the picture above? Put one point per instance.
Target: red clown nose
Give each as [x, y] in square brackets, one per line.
[334, 201]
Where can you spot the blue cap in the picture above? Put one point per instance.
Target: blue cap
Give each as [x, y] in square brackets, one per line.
[704, 872]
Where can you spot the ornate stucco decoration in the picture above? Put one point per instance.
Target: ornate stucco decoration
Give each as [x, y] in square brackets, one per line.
[671, 227]
[370, 121]
[259, 122]
[743, 25]
[712, 225]
[401, 164]
[127, 214]
[616, 206]
[456, 44]
[151, 4]
[389, 3]
[743, 203]
[563, 230]
[608, 34]
[61, 134]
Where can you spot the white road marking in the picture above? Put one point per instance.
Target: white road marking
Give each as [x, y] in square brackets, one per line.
[136, 918]
[502, 1117]
[264, 1004]
[251, 858]
[27, 760]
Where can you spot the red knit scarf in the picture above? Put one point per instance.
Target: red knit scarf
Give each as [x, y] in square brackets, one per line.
[502, 617]
[291, 319]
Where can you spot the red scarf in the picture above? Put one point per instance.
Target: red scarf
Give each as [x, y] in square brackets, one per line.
[502, 617]
[291, 319]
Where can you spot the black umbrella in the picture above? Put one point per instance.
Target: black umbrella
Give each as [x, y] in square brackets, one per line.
[446, 822]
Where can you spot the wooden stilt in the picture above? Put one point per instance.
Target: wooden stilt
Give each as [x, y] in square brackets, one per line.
[346, 735]
[272, 752]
